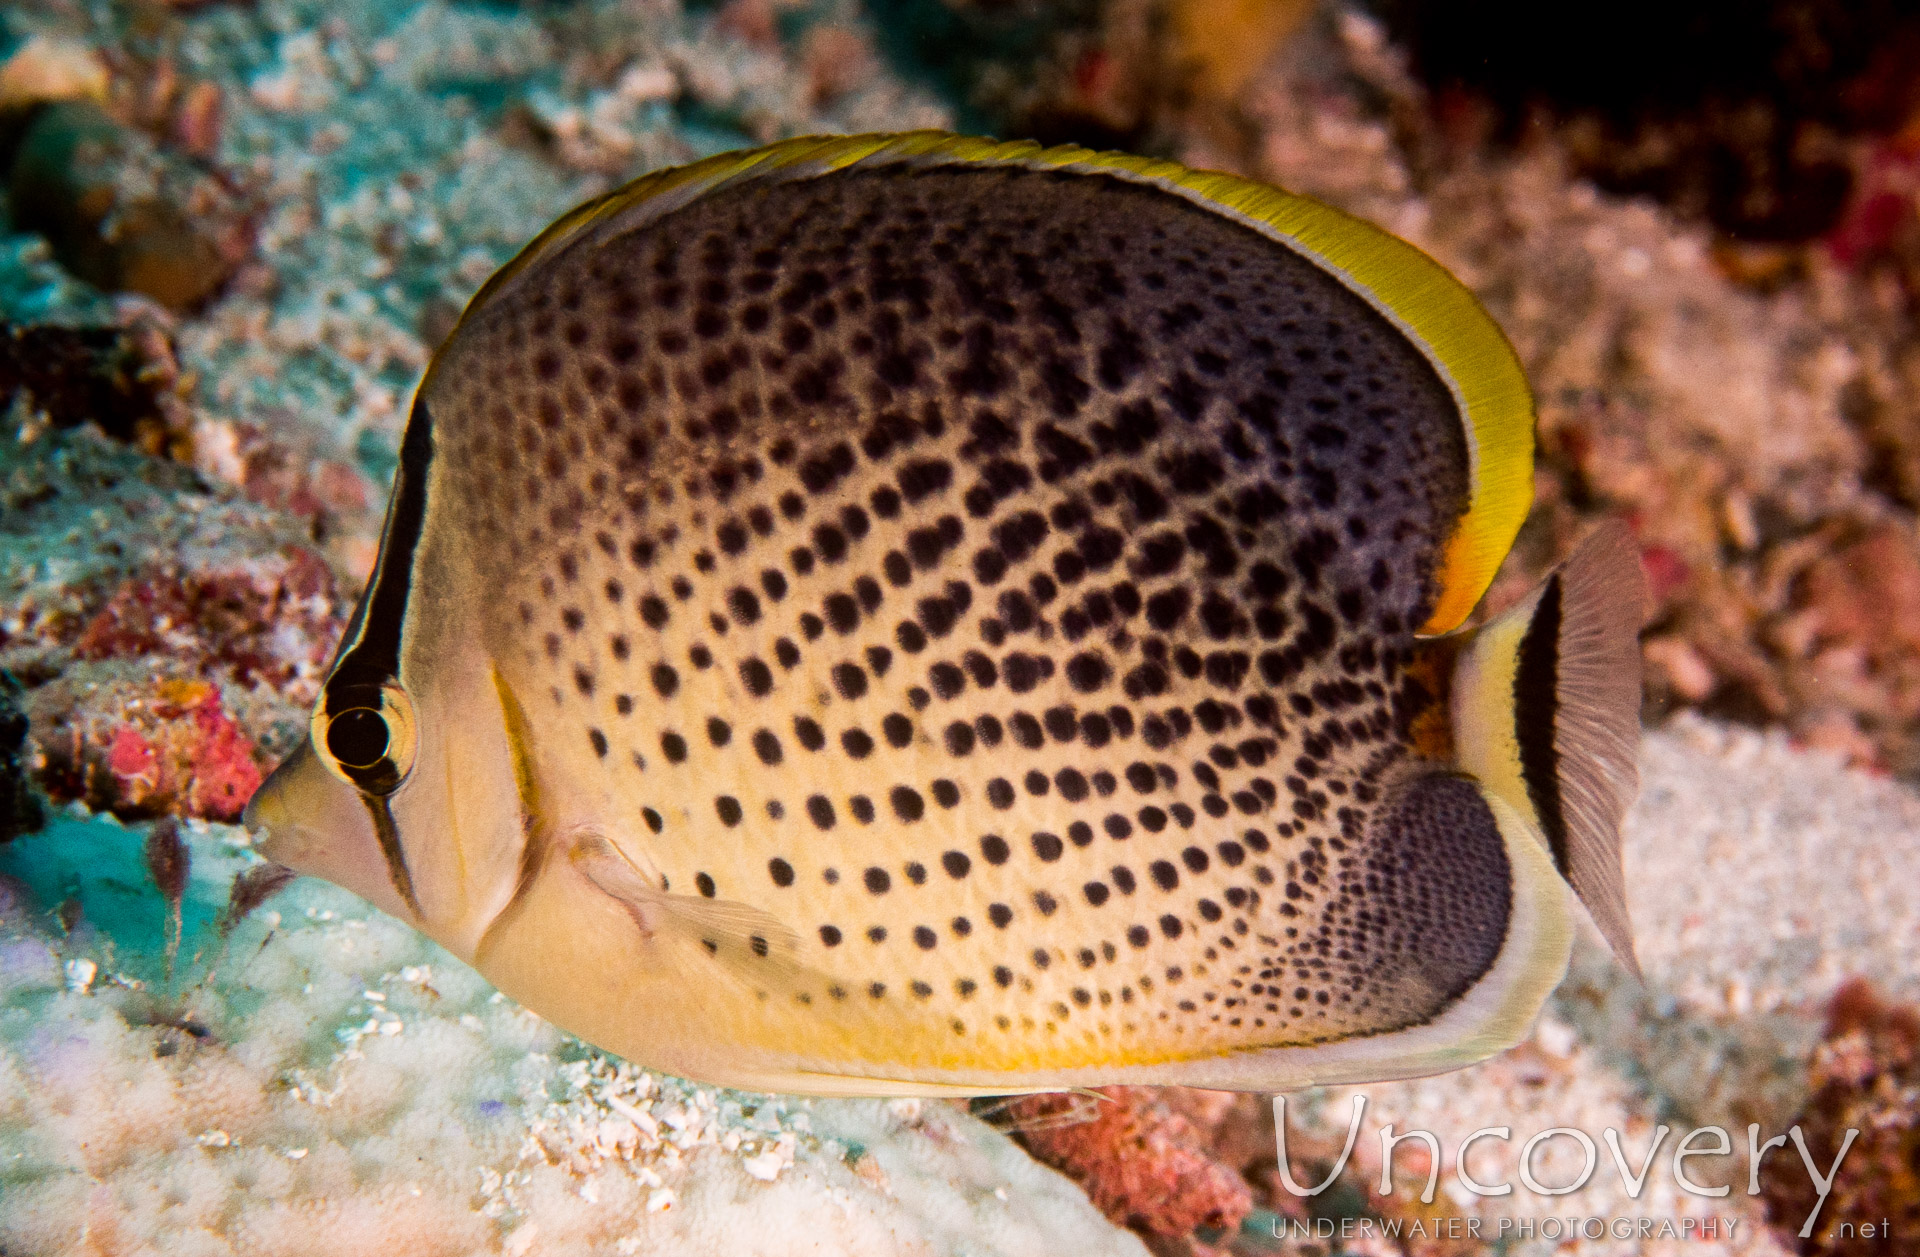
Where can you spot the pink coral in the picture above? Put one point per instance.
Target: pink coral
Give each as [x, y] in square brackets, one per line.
[131, 758]
[224, 771]
[1142, 1163]
[1881, 205]
[146, 749]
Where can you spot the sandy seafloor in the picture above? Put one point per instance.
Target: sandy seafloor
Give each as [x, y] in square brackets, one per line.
[327, 1081]
[324, 1081]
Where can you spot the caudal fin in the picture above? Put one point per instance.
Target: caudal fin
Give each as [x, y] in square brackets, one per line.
[1546, 711]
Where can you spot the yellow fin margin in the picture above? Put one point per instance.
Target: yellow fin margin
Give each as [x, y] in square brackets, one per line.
[1404, 284]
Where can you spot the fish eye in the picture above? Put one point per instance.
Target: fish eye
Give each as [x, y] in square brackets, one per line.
[369, 743]
[358, 737]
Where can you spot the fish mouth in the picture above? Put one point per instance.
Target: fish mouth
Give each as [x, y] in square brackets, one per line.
[305, 817]
[265, 809]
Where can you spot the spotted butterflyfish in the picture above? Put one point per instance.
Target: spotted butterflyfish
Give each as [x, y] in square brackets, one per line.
[908, 614]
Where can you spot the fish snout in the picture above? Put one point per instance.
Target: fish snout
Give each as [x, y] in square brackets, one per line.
[267, 809]
[270, 819]
[307, 818]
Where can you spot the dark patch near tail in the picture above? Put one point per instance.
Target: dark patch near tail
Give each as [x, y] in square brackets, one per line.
[1536, 705]
[1438, 885]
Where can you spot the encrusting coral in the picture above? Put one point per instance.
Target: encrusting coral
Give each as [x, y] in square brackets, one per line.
[1143, 1163]
[171, 633]
[1865, 1078]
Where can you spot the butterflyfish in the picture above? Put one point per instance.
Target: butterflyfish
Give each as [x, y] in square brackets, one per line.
[908, 614]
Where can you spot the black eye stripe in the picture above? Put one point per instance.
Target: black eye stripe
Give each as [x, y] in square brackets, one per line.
[380, 811]
[376, 780]
[372, 656]
[359, 733]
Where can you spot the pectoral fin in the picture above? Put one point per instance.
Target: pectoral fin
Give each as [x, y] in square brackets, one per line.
[743, 941]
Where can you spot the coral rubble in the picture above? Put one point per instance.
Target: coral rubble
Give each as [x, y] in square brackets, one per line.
[170, 632]
[122, 380]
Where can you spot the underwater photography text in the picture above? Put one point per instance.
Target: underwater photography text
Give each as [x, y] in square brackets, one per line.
[1703, 1141]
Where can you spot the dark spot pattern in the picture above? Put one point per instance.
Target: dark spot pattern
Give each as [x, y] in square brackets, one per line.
[1039, 551]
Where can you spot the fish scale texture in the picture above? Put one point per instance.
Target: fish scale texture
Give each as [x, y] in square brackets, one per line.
[1005, 579]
